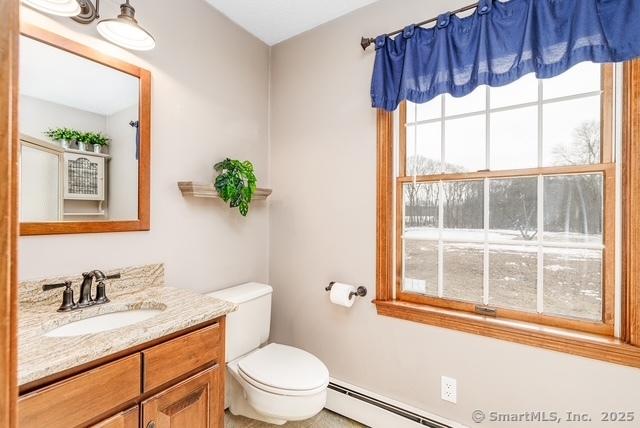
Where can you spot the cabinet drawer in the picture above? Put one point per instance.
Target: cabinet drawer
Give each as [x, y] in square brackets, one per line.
[77, 400]
[127, 419]
[172, 359]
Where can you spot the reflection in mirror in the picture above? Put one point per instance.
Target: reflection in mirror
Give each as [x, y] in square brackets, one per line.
[79, 137]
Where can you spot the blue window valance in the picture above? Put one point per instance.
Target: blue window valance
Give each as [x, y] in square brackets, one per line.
[499, 43]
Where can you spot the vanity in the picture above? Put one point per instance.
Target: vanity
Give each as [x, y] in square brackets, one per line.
[153, 357]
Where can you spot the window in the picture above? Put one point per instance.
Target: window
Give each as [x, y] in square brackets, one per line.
[497, 213]
[502, 200]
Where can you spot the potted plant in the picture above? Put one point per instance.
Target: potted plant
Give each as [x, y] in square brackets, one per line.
[82, 141]
[98, 140]
[65, 136]
[235, 183]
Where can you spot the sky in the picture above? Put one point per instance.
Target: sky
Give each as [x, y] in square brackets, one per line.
[513, 133]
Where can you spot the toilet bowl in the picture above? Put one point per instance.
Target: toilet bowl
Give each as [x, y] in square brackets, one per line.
[273, 383]
[280, 383]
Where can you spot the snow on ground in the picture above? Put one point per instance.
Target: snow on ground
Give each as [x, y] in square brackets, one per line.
[507, 241]
[430, 233]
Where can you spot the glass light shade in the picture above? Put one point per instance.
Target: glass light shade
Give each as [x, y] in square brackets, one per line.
[55, 7]
[126, 33]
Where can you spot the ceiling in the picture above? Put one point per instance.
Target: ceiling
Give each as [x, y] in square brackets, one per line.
[60, 77]
[273, 21]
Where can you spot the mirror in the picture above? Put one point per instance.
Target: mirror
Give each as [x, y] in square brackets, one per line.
[84, 139]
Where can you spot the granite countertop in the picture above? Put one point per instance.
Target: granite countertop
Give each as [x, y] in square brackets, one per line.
[40, 356]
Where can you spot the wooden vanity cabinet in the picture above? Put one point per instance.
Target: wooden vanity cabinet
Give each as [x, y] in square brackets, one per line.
[178, 382]
[193, 403]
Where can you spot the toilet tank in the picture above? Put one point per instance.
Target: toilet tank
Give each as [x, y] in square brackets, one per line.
[248, 327]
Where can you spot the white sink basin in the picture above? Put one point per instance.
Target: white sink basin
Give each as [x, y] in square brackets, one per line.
[103, 322]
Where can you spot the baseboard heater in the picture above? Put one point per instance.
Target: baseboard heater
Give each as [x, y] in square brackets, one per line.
[398, 411]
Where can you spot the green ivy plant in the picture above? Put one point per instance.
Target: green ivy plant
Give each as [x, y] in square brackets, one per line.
[59, 134]
[96, 138]
[236, 183]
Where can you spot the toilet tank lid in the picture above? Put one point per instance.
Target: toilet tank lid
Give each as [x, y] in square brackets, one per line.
[242, 293]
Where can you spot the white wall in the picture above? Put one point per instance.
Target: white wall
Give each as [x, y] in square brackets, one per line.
[39, 184]
[37, 116]
[123, 166]
[323, 229]
[209, 101]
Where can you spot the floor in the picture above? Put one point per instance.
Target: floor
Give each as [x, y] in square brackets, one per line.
[324, 419]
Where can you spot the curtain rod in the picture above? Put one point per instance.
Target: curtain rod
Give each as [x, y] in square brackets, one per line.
[365, 42]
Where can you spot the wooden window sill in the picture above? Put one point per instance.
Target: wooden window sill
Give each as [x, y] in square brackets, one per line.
[583, 344]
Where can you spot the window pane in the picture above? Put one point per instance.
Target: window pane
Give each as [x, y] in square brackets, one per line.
[584, 77]
[513, 209]
[465, 144]
[421, 211]
[463, 265]
[420, 267]
[572, 283]
[474, 102]
[513, 273]
[571, 132]
[523, 90]
[514, 139]
[463, 216]
[425, 111]
[573, 208]
[428, 159]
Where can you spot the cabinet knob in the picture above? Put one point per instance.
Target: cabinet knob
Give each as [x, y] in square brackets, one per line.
[151, 424]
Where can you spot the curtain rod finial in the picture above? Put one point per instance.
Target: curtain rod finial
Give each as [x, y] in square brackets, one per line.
[365, 42]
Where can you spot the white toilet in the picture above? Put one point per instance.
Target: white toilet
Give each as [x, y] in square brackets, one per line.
[273, 383]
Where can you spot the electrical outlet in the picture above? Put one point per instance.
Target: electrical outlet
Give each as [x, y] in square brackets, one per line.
[448, 389]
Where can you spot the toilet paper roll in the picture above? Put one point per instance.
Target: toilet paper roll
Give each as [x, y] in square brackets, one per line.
[339, 294]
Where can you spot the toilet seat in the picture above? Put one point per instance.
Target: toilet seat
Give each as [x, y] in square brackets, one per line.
[284, 370]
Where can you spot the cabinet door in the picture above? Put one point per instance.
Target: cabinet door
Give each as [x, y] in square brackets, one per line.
[127, 419]
[198, 402]
[83, 177]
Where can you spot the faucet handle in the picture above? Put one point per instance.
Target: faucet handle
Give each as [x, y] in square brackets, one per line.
[67, 295]
[101, 289]
[101, 293]
[48, 287]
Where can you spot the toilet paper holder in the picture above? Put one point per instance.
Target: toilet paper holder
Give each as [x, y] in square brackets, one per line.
[360, 291]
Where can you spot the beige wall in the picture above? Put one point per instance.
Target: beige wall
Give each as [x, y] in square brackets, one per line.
[209, 101]
[323, 229]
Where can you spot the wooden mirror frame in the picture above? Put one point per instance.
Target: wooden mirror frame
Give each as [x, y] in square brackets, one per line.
[144, 167]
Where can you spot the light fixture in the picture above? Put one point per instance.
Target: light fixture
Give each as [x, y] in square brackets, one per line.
[125, 31]
[55, 7]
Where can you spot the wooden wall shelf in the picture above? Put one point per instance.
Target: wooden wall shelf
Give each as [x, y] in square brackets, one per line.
[207, 190]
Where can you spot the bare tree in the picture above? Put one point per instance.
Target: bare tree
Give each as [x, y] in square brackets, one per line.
[585, 147]
[513, 206]
[421, 200]
[418, 213]
[583, 195]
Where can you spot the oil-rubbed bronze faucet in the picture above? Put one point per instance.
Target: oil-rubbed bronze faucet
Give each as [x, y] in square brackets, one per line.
[85, 288]
[85, 299]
